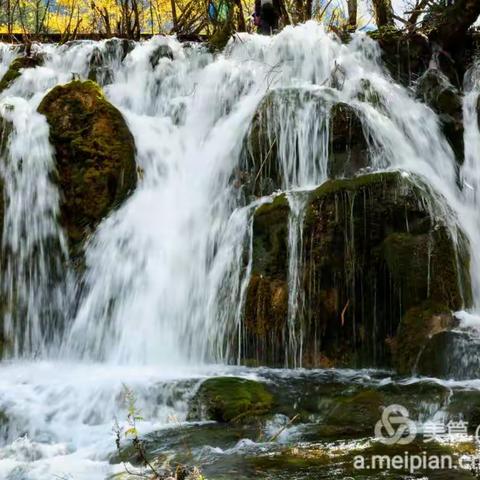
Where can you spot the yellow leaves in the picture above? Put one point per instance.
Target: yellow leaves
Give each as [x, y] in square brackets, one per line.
[99, 16]
[131, 432]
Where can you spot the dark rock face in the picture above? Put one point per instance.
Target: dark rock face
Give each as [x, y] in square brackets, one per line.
[262, 171]
[231, 399]
[450, 354]
[100, 70]
[405, 56]
[371, 253]
[417, 326]
[95, 156]
[162, 51]
[438, 92]
[273, 140]
[18, 64]
[348, 144]
[267, 295]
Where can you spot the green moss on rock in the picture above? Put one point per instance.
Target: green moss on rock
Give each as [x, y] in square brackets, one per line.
[355, 415]
[374, 247]
[14, 70]
[231, 399]
[95, 156]
[425, 266]
[374, 241]
[270, 228]
[266, 304]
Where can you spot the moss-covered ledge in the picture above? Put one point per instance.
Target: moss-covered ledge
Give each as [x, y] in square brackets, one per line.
[231, 399]
[15, 68]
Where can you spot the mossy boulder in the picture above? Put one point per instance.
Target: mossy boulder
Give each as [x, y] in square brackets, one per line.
[231, 399]
[95, 156]
[272, 147]
[15, 69]
[267, 145]
[375, 243]
[374, 247]
[416, 328]
[436, 90]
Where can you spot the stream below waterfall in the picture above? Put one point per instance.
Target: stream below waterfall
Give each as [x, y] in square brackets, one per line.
[159, 306]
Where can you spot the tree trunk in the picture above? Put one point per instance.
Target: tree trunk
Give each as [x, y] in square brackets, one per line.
[352, 14]
[383, 13]
[284, 13]
[451, 25]
[242, 27]
[299, 11]
[308, 9]
[174, 16]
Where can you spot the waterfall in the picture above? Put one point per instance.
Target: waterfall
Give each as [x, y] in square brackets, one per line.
[167, 263]
[33, 245]
[167, 271]
[295, 335]
[470, 173]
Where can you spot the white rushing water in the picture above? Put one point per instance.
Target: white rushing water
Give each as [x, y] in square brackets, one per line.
[34, 247]
[165, 272]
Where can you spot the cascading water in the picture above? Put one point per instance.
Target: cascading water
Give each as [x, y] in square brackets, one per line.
[166, 273]
[31, 277]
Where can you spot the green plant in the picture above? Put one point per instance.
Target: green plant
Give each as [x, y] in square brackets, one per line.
[130, 432]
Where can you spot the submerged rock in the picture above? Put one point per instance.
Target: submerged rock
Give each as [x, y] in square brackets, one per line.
[14, 70]
[355, 415]
[374, 248]
[95, 156]
[231, 399]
